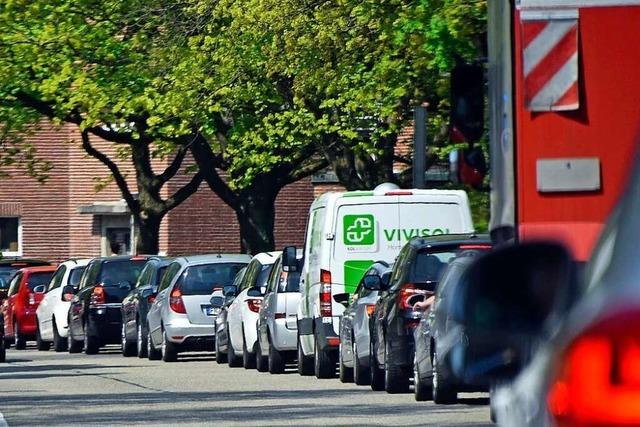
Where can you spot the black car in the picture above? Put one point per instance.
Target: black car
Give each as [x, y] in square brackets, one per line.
[136, 305]
[222, 333]
[95, 317]
[415, 276]
[8, 266]
[433, 377]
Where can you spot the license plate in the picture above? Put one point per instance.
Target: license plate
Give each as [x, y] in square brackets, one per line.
[208, 310]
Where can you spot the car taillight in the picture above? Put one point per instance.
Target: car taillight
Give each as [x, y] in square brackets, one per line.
[175, 301]
[325, 294]
[370, 309]
[254, 304]
[98, 296]
[31, 299]
[598, 378]
[406, 292]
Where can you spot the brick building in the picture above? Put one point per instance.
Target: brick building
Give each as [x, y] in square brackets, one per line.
[65, 217]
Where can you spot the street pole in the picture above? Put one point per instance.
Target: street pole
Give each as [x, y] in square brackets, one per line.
[419, 146]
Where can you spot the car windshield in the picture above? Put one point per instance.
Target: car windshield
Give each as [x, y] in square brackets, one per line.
[204, 279]
[117, 272]
[37, 279]
[76, 274]
[5, 275]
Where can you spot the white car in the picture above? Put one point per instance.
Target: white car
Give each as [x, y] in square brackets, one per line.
[242, 314]
[52, 313]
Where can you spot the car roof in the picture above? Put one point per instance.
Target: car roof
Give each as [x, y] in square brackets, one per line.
[40, 269]
[123, 258]
[213, 258]
[73, 262]
[447, 240]
[23, 261]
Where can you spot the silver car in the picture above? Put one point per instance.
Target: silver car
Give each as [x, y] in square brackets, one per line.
[182, 318]
[277, 321]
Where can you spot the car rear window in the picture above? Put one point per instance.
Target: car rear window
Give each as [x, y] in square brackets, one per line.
[203, 279]
[115, 273]
[76, 274]
[37, 279]
[5, 276]
[429, 266]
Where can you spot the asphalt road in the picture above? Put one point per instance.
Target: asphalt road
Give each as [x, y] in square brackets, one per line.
[47, 388]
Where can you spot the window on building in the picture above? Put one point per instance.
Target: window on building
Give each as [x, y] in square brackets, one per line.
[10, 236]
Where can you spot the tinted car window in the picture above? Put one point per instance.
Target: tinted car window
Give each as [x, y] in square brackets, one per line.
[76, 275]
[5, 276]
[429, 266]
[13, 287]
[160, 275]
[145, 275]
[263, 275]
[37, 279]
[116, 272]
[172, 270]
[203, 279]
[56, 280]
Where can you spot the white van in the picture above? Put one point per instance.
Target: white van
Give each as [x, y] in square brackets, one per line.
[346, 234]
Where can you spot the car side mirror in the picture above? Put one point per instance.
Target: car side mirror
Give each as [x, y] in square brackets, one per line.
[289, 259]
[505, 302]
[342, 299]
[229, 291]
[40, 289]
[372, 282]
[147, 292]
[254, 292]
[68, 292]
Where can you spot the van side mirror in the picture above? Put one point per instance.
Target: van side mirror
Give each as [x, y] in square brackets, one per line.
[289, 259]
[68, 292]
[342, 299]
[372, 282]
[505, 302]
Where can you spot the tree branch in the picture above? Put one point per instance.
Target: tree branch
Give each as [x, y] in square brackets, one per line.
[208, 163]
[183, 193]
[173, 168]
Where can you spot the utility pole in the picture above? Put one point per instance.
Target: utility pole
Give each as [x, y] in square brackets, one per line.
[420, 145]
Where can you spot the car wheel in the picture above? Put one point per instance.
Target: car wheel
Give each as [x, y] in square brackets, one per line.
[73, 346]
[443, 393]
[141, 342]
[169, 349]
[276, 360]
[220, 356]
[152, 353]
[233, 360]
[361, 374]
[345, 373]
[262, 362]
[421, 388]
[248, 358]
[396, 378]
[128, 348]
[305, 363]
[377, 374]
[3, 352]
[324, 362]
[59, 344]
[41, 345]
[91, 344]
[21, 342]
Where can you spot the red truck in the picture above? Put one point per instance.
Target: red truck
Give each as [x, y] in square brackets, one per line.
[564, 96]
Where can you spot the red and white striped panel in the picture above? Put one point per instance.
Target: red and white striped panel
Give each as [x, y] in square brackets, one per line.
[550, 61]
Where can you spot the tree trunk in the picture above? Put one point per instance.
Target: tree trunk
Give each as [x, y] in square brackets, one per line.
[148, 241]
[256, 211]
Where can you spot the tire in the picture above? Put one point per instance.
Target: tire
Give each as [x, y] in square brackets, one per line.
[377, 374]
[305, 363]
[129, 349]
[276, 360]
[141, 342]
[3, 352]
[59, 344]
[324, 362]
[220, 356]
[41, 345]
[345, 374]
[361, 374]
[152, 353]
[169, 349]
[73, 346]
[233, 360]
[262, 362]
[396, 378]
[91, 344]
[443, 393]
[248, 358]
[20, 341]
[421, 389]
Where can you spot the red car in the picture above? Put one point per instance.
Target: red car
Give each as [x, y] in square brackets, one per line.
[26, 290]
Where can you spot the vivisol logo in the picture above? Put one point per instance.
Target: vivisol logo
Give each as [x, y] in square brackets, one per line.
[359, 230]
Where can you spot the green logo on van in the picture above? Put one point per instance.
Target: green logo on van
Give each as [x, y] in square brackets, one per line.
[359, 230]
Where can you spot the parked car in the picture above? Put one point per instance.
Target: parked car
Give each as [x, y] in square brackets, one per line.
[353, 360]
[52, 313]
[3, 349]
[277, 324]
[242, 313]
[222, 335]
[182, 317]
[432, 372]
[94, 314]
[136, 304]
[26, 290]
[9, 266]
[415, 276]
[346, 233]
